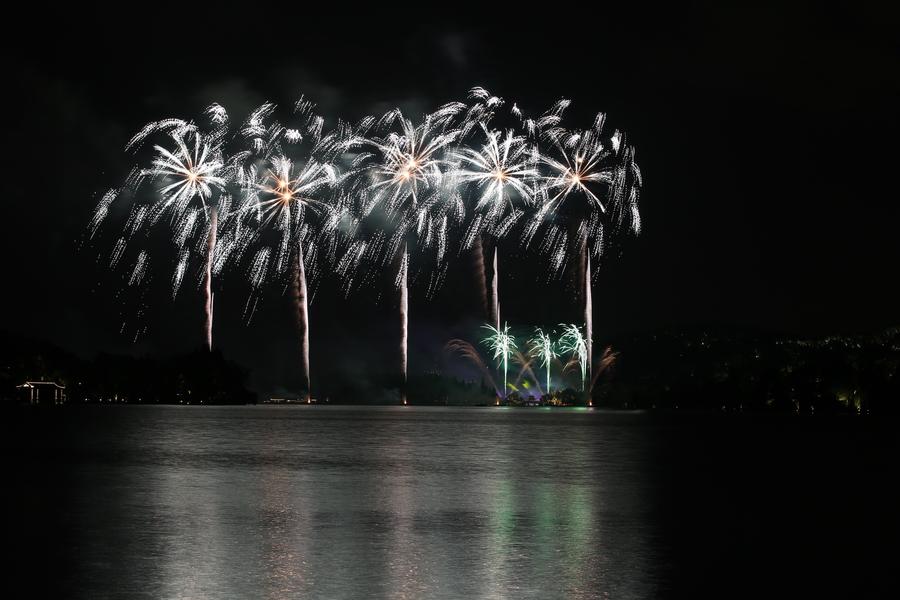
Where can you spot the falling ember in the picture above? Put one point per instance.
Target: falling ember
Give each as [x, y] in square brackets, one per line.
[102, 210]
[117, 252]
[178, 275]
[140, 269]
[259, 267]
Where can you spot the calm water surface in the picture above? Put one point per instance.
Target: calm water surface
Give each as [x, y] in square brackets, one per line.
[402, 502]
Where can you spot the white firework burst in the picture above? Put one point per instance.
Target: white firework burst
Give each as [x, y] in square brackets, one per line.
[500, 171]
[405, 165]
[282, 197]
[192, 171]
[580, 164]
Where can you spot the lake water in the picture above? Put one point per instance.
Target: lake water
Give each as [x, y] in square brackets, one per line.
[409, 502]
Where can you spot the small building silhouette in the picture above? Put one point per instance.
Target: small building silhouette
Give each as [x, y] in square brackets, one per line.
[48, 393]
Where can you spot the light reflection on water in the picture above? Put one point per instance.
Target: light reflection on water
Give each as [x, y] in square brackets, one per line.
[276, 502]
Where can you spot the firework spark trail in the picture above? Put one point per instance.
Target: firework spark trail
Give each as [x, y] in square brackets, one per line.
[117, 252]
[208, 275]
[102, 211]
[302, 310]
[588, 318]
[502, 345]
[140, 269]
[259, 268]
[482, 110]
[607, 360]
[469, 352]
[404, 321]
[178, 274]
[541, 346]
[178, 126]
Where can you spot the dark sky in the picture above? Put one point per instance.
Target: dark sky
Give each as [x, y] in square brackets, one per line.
[767, 140]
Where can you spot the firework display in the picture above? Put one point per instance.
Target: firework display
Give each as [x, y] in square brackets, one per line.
[277, 198]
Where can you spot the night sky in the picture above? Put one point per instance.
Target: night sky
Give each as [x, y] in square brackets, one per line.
[767, 142]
